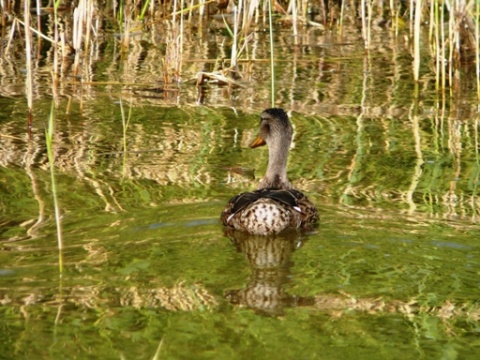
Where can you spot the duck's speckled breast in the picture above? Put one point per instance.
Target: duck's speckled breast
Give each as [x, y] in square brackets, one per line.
[265, 216]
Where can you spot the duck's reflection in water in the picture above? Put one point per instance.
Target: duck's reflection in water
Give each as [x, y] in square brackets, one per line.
[270, 260]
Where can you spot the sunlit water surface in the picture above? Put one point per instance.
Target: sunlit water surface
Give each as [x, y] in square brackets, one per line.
[393, 271]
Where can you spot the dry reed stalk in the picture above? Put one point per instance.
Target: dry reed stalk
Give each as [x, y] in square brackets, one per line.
[172, 62]
[174, 14]
[366, 16]
[411, 16]
[254, 10]
[56, 42]
[437, 45]
[3, 17]
[272, 64]
[450, 43]
[82, 25]
[10, 37]
[34, 31]
[39, 27]
[78, 20]
[28, 59]
[201, 9]
[88, 24]
[236, 19]
[442, 47]
[437, 42]
[416, 40]
[432, 25]
[178, 68]
[340, 21]
[394, 17]
[477, 46]
[294, 22]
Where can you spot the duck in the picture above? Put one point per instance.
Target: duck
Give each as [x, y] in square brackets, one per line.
[275, 206]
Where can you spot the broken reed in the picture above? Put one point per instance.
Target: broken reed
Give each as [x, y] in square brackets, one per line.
[449, 29]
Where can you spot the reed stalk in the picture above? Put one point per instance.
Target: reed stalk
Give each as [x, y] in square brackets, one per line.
[294, 22]
[156, 356]
[448, 22]
[180, 47]
[28, 59]
[272, 64]
[78, 19]
[395, 15]
[174, 51]
[442, 47]
[236, 19]
[432, 22]
[340, 20]
[55, 47]
[39, 26]
[477, 45]
[366, 16]
[89, 11]
[82, 25]
[416, 40]
[124, 13]
[450, 43]
[144, 10]
[49, 135]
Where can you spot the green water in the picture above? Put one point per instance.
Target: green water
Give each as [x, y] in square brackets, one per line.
[393, 271]
[147, 265]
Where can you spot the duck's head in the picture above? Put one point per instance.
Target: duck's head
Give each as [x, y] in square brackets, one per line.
[275, 129]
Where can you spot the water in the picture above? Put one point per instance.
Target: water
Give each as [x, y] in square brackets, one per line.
[392, 271]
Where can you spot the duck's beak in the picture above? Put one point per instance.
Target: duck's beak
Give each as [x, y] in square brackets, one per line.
[258, 142]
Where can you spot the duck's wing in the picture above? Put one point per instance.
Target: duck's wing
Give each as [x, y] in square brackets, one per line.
[299, 202]
[241, 201]
[286, 197]
[309, 212]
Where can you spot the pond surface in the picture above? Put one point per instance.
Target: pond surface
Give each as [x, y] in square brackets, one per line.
[393, 271]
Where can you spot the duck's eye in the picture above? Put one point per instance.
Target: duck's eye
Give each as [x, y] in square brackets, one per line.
[266, 127]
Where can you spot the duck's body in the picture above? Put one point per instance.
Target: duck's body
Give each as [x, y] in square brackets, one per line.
[275, 206]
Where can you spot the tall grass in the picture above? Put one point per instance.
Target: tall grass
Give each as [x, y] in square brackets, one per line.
[49, 136]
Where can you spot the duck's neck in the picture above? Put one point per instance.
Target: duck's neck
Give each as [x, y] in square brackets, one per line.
[276, 176]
